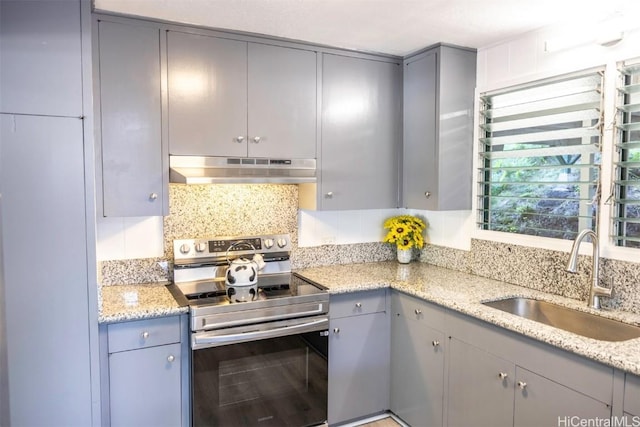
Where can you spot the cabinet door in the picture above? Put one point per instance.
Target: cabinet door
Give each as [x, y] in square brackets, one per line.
[47, 329]
[540, 401]
[358, 367]
[361, 135]
[282, 102]
[130, 104]
[40, 70]
[457, 82]
[439, 90]
[207, 95]
[631, 403]
[144, 387]
[480, 387]
[417, 371]
[420, 162]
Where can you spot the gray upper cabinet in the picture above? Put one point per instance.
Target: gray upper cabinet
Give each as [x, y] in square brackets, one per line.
[282, 102]
[361, 135]
[238, 99]
[132, 147]
[207, 95]
[40, 64]
[439, 87]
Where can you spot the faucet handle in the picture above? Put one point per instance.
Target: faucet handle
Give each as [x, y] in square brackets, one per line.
[602, 291]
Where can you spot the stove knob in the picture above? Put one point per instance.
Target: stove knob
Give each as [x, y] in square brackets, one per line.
[201, 247]
[185, 248]
[282, 242]
[268, 243]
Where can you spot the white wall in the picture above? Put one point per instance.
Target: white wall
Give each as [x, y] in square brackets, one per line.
[129, 238]
[347, 227]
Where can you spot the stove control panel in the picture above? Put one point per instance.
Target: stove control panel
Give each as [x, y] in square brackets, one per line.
[193, 249]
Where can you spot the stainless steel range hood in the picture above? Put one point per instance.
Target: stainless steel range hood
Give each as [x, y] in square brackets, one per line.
[240, 170]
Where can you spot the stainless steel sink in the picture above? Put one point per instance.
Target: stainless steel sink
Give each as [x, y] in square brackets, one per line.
[578, 322]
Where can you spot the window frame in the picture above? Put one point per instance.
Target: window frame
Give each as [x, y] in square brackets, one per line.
[625, 71]
[484, 168]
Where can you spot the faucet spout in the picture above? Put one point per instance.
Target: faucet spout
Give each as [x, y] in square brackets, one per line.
[595, 290]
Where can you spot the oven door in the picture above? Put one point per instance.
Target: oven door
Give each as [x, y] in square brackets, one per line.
[262, 375]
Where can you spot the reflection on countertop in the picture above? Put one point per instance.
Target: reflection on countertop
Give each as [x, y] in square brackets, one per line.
[120, 303]
[455, 290]
[465, 293]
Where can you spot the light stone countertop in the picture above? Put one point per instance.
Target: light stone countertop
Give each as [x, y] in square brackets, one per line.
[465, 293]
[119, 303]
[451, 289]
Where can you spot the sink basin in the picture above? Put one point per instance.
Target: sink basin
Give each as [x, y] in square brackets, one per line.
[578, 322]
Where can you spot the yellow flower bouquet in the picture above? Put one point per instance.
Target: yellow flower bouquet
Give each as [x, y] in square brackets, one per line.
[405, 231]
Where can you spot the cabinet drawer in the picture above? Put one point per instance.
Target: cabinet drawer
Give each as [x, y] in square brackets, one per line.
[632, 394]
[143, 333]
[357, 303]
[415, 309]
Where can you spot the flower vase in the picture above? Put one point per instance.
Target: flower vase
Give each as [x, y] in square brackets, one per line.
[404, 256]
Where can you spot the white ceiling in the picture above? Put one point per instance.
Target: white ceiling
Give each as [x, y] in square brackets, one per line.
[395, 27]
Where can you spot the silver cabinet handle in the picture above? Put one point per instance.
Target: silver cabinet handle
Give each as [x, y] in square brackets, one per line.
[418, 311]
[239, 139]
[522, 385]
[153, 196]
[256, 139]
[435, 343]
[427, 194]
[358, 305]
[144, 335]
[336, 330]
[329, 195]
[503, 375]
[171, 358]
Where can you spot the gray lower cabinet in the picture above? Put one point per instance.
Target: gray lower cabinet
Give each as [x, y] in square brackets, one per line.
[631, 402]
[133, 150]
[41, 66]
[44, 327]
[358, 356]
[235, 98]
[417, 361]
[450, 369]
[361, 136]
[540, 401]
[497, 378]
[439, 87]
[480, 389]
[146, 368]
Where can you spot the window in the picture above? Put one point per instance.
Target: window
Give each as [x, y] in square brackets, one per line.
[540, 156]
[626, 218]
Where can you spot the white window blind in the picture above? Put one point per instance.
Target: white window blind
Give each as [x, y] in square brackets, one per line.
[626, 218]
[540, 156]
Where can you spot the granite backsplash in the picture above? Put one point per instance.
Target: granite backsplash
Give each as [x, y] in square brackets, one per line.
[219, 210]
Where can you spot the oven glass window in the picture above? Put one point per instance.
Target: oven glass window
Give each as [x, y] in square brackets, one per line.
[273, 382]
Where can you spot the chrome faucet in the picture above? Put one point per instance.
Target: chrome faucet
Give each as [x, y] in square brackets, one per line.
[595, 291]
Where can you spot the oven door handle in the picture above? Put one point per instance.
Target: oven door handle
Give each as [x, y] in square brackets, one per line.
[236, 335]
